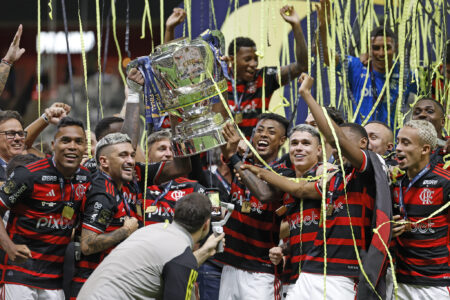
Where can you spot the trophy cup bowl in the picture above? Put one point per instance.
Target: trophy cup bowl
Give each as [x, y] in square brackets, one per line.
[188, 77]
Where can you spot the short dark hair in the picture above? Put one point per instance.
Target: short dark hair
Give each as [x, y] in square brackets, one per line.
[335, 115]
[68, 121]
[10, 114]
[102, 127]
[276, 117]
[380, 30]
[240, 42]
[192, 210]
[356, 129]
[438, 104]
[20, 160]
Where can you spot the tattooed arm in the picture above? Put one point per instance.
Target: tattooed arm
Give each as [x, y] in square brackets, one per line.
[92, 242]
[13, 54]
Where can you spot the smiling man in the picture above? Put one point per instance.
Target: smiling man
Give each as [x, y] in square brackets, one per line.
[246, 98]
[44, 198]
[423, 264]
[253, 228]
[108, 216]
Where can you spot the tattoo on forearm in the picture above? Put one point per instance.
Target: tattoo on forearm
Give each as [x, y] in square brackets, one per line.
[4, 72]
[100, 242]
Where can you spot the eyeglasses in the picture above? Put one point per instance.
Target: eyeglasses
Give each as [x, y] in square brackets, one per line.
[10, 134]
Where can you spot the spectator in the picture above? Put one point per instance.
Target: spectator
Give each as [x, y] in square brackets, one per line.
[368, 90]
[157, 260]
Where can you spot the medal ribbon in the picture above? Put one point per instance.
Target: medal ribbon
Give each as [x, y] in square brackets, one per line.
[166, 190]
[411, 183]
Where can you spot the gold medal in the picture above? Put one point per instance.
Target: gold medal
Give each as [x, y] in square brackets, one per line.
[330, 209]
[246, 207]
[151, 209]
[281, 210]
[68, 212]
[238, 117]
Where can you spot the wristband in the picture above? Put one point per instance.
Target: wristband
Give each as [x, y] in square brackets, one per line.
[6, 62]
[44, 116]
[235, 159]
[133, 97]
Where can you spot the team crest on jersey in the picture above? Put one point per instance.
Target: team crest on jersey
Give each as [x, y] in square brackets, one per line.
[426, 196]
[79, 191]
[251, 87]
[177, 194]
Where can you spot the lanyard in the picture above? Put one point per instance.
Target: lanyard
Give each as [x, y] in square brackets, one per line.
[166, 190]
[411, 183]
[223, 181]
[62, 185]
[119, 192]
[239, 101]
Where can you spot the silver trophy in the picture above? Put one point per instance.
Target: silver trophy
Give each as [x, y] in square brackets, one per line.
[185, 78]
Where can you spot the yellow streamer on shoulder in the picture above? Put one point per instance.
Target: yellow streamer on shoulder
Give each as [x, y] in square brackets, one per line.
[83, 58]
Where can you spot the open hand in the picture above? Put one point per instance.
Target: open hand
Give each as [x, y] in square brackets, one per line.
[14, 51]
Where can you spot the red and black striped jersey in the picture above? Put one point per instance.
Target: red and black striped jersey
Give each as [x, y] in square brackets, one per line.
[423, 254]
[356, 211]
[44, 210]
[160, 202]
[104, 212]
[250, 94]
[251, 235]
[303, 219]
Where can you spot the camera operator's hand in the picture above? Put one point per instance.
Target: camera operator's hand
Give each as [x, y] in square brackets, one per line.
[209, 248]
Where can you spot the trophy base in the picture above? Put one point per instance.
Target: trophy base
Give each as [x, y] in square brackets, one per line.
[198, 143]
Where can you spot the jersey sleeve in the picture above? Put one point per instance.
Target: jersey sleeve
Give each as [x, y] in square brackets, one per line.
[199, 188]
[154, 172]
[179, 276]
[16, 188]
[99, 210]
[270, 76]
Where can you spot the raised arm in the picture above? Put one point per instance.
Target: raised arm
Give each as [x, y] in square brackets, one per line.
[177, 17]
[131, 121]
[293, 70]
[301, 189]
[52, 115]
[92, 242]
[349, 150]
[13, 55]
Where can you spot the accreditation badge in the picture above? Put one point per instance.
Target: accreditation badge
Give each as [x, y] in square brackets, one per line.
[239, 117]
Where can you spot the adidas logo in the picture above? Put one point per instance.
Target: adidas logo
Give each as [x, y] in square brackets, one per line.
[51, 193]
